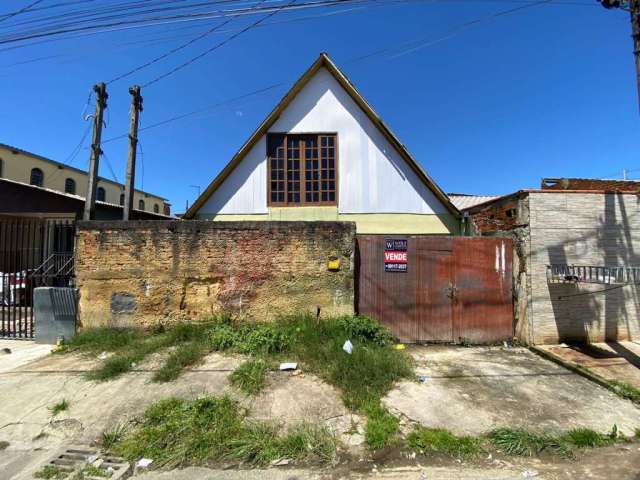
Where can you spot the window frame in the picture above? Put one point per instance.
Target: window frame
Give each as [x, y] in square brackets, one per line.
[104, 197]
[70, 182]
[31, 182]
[142, 205]
[303, 202]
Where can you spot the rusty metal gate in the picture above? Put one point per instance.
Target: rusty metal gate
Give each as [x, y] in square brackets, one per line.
[33, 253]
[451, 289]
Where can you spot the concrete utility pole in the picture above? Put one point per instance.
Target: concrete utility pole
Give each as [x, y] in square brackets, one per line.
[129, 188]
[94, 159]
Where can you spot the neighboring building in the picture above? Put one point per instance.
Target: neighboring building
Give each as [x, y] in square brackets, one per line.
[464, 200]
[19, 199]
[30, 168]
[324, 154]
[576, 258]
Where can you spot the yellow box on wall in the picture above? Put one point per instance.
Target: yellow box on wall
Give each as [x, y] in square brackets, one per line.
[333, 265]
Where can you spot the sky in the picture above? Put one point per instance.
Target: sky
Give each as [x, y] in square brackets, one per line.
[487, 107]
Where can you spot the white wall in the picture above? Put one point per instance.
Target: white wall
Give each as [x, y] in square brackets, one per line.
[373, 177]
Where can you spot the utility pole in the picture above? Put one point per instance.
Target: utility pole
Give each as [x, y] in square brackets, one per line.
[136, 108]
[634, 12]
[94, 160]
[634, 9]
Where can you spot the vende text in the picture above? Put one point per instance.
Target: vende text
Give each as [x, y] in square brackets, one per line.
[395, 257]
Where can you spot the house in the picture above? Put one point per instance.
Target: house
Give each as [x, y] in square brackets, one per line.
[324, 154]
[576, 260]
[33, 169]
[18, 199]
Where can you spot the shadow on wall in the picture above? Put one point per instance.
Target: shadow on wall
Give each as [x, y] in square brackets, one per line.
[597, 312]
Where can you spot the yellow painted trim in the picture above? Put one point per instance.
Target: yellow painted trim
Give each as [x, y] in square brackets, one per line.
[372, 223]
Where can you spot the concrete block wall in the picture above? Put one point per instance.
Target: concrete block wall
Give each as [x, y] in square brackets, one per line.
[141, 273]
[582, 229]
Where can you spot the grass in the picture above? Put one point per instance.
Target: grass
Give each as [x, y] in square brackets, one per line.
[588, 438]
[177, 432]
[61, 406]
[625, 390]
[111, 437]
[185, 355]
[442, 441]
[250, 376]
[521, 442]
[51, 472]
[382, 427]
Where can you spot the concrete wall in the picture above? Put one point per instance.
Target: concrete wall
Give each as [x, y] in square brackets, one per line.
[140, 273]
[376, 186]
[17, 165]
[583, 229]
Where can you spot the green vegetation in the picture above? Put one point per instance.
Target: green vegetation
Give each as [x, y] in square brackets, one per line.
[185, 355]
[176, 432]
[382, 428]
[91, 471]
[442, 441]
[51, 472]
[250, 376]
[112, 436]
[625, 390]
[61, 406]
[587, 438]
[521, 442]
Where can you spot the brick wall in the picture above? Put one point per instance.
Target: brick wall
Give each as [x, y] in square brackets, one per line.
[139, 273]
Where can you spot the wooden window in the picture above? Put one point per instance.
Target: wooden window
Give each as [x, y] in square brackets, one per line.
[101, 195]
[302, 169]
[140, 204]
[156, 208]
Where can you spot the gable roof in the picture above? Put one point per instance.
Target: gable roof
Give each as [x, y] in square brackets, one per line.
[322, 61]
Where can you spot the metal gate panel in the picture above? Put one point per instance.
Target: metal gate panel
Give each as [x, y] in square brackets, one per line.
[33, 253]
[483, 302]
[454, 288]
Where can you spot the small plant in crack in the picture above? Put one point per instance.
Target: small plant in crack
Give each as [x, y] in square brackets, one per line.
[61, 406]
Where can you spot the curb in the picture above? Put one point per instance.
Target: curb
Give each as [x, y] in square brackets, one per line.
[575, 368]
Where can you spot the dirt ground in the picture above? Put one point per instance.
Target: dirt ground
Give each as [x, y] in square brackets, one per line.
[612, 361]
[474, 390]
[468, 390]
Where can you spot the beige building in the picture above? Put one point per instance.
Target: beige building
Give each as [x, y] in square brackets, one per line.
[26, 167]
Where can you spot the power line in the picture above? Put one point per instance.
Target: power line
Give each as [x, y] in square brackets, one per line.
[215, 47]
[18, 12]
[176, 49]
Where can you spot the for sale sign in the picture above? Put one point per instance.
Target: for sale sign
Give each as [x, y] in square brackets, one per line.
[395, 255]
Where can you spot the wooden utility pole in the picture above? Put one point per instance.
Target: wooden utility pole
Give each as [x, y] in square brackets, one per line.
[129, 187]
[94, 160]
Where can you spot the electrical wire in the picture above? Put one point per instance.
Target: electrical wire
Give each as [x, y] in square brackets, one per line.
[176, 49]
[18, 12]
[215, 47]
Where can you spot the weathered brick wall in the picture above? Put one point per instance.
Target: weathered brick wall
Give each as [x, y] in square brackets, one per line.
[140, 273]
[583, 229]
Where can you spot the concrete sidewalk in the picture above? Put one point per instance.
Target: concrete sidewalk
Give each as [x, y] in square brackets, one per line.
[619, 361]
[22, 353]
[474, 390]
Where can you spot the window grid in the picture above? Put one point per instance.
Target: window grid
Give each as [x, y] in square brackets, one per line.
[309, 163]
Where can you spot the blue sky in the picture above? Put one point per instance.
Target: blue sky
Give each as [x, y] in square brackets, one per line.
[546, 91]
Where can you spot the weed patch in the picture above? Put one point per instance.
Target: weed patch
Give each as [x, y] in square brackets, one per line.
[250, 376]
[96, 340]
[382, 427]
[185, 355]
[50, 472]
[176, 432]
[111, 437]
[587, 438]
[442, 441]
[520, 442]
[625, 390]
[61, 406]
